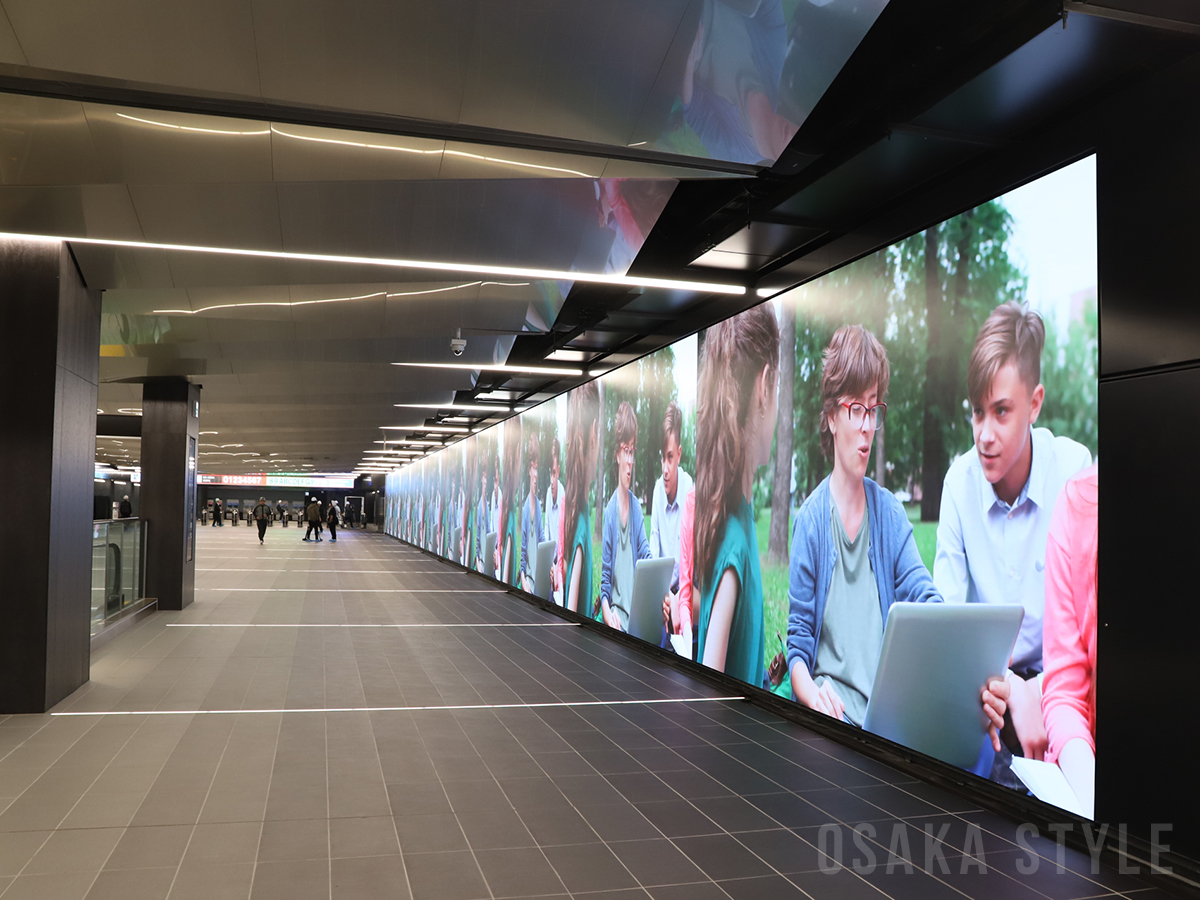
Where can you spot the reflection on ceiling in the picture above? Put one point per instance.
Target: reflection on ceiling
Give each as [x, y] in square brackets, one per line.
[725, 79]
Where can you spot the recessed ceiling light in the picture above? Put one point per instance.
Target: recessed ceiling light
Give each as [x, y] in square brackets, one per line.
[465, 407]
[514, 370]
[425, 264]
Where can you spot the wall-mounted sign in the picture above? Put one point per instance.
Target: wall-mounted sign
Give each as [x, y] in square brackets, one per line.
[291, 481]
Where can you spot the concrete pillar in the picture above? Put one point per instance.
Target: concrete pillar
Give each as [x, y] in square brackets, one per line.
[170, 434]
[49, 373]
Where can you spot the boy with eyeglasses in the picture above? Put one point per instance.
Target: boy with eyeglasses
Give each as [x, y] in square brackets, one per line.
[997, 503]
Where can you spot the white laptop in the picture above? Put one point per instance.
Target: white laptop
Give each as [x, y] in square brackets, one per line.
[935, 660]
[489, 551]
[541, 569]
[651, 580]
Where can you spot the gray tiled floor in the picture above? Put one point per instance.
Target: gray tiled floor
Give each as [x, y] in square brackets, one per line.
[498, 798]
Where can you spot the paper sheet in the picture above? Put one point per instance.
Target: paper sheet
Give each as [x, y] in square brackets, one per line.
[1048, 783]
[682, 645]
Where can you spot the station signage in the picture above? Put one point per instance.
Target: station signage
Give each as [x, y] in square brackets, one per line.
[278, 481]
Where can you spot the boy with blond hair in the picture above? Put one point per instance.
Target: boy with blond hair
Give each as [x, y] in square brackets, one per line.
[997, 500]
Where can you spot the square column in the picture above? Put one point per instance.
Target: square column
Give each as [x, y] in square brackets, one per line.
[170, 435]
[49, 375]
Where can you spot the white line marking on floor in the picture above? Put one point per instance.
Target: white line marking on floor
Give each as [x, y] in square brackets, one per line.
[388, 625]
[242, 712]
[345, 571]
[356, 590]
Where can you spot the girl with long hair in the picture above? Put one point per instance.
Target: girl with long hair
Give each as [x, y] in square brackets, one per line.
[581, 453]
[506, 540]
[738, 398]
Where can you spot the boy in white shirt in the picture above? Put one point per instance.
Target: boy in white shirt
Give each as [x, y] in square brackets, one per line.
[998, 500]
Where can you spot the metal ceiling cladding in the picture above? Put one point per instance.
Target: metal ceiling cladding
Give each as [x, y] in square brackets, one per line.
[552, 136]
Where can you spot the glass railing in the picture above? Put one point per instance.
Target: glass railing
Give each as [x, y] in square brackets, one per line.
[118, 569]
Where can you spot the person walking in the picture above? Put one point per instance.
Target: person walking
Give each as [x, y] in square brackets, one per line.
[313, 514]
[125, 510]
[217, 513]
[331, 519]
[262, 515]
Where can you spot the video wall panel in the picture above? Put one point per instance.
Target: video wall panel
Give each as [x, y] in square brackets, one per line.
[875, 495]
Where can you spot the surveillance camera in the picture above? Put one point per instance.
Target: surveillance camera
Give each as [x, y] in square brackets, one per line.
[457, 346]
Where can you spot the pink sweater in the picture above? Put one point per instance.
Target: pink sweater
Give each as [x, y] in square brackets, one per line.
[1069, 629]
[687, 548]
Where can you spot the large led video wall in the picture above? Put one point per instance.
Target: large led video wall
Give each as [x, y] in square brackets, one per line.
[875, 495]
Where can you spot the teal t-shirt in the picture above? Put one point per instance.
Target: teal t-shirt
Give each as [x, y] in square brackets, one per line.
[738, 550]
[583, 541]
[509, 575]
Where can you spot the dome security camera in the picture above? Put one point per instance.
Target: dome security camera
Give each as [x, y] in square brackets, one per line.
[457, 346]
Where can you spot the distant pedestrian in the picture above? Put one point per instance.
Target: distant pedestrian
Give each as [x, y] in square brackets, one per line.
[125, 511]
[262, 515]
[217, 513]
[281, 511]
[313, 514]
[331, 518]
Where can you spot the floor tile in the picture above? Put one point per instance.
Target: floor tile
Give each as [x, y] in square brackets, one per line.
[372, 836]
[495, 829]
[82, 850]
[656, 862]
[60, 886]
[213, 882]
[445, 876]
[429, 834]
[721, 857]
[224, 843]
[589, 867]
[293, 879]
[518, 873]
[134, 884]
[294, 839]
[377, 876]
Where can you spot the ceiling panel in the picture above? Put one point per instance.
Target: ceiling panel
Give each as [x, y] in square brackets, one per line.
[571, 70]
[403, 57]
[208, 45]
[305, 153]
[209, 215]
[149, 147]
[45, 142]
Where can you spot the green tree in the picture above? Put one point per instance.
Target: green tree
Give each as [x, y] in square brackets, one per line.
[1069, 374]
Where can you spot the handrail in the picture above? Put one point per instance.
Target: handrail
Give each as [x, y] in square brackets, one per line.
[118, 569]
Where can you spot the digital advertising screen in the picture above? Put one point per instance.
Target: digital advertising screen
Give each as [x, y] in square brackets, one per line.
[875, 495]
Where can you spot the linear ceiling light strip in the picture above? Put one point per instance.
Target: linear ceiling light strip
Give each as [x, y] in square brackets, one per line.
[428, 265]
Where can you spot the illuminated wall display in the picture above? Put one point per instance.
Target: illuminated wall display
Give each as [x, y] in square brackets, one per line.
[875, 495]
[278, 481]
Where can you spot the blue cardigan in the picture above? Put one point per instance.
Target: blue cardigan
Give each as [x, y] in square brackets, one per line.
[899, 572]
[608, 545]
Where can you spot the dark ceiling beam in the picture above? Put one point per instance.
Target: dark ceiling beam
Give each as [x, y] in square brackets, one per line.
[108, 425]
[29, 81]
[930, 49]
[1139, 12]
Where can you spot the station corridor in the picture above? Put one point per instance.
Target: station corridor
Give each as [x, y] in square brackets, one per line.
[356, 719]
